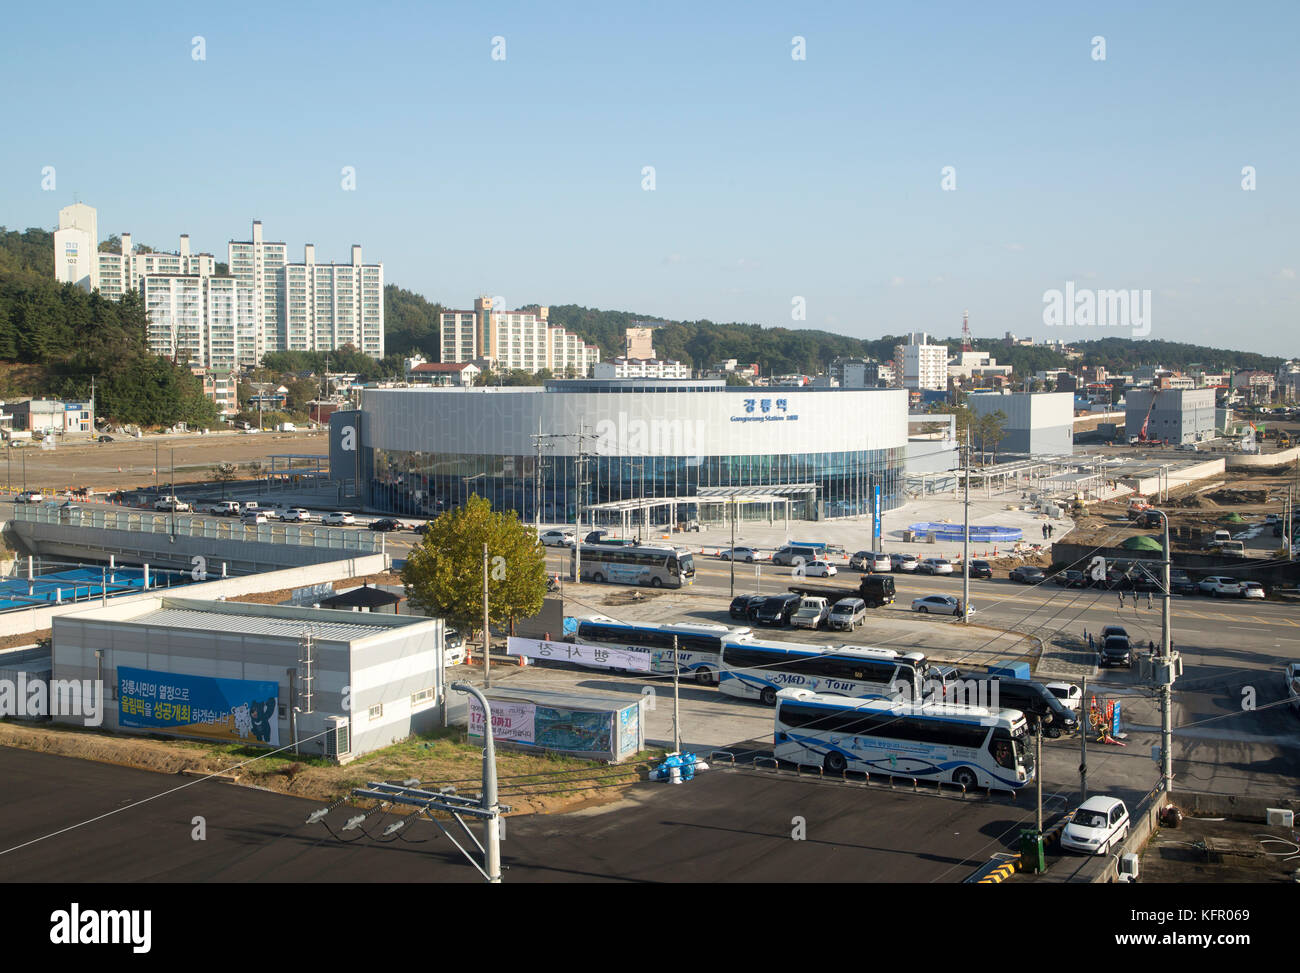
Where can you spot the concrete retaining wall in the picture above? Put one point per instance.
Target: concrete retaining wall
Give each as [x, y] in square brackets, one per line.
[36, 619]
[1143, 821]
[1254, 461]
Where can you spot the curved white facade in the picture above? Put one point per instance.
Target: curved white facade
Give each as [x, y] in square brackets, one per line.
[421, 450]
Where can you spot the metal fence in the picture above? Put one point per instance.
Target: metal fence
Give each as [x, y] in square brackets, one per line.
[189, 525]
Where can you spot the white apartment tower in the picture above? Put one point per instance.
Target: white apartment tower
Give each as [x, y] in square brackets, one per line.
[925, 366]
[331, 305]
[75, 244]
[122, 271]
[261, 266]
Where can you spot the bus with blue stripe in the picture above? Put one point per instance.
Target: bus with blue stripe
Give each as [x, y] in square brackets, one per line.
[699, 647]
[759, 670]
[967, 745]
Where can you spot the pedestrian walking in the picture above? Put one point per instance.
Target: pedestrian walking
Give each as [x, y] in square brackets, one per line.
[1044, 532]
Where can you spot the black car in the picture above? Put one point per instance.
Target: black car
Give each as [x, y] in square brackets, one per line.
[743, 607]
[103, 439]
[981, 569]
[1028, 574]
[777, 610]
[861, 561]
[1070, 579]
[386, 524]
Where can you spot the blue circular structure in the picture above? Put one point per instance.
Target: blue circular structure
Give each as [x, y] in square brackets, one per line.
[986, 533]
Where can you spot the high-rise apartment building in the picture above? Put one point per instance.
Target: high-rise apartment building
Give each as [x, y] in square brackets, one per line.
[511, 340]
[260, 264]
[331, 305]
[122, 271]
[924, 366]
[75, 244]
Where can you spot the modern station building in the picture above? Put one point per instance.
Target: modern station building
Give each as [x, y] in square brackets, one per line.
[676, 449]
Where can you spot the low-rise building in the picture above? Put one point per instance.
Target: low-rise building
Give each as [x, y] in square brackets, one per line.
[460, 374]
[640, 368]
[54, 417]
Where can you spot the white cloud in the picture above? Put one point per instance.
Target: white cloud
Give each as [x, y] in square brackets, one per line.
[1286, 273]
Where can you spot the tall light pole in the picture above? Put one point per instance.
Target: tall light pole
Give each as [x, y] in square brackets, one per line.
[965, 535]
[731, 557]
[492, 824]
[1167, 673]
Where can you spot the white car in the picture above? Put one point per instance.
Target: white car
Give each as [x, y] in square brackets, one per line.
[1220, 586]
[746, 554]
[903, 562]
[30, 496]
[935, 565]
[295, 514]
[819, 569]
[338, 517]
[1068, 693]
[225, 508]
[173, 504]
[1097, 826]
[1252, 589]
[253, 517]
[812, 613]
[556, 538]
[938, 605]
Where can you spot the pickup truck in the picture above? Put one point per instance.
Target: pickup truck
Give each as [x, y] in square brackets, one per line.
[172, 504]
[812, 613]
[874, 589]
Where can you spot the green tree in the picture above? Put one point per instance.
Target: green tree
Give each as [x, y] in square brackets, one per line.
[225, 473]
[444, 574]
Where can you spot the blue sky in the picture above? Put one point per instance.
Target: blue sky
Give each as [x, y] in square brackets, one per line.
[774, 178]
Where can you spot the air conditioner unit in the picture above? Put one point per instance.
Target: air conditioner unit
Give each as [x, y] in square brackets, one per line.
[1128, 868]
[1280, 817]
[338, 736]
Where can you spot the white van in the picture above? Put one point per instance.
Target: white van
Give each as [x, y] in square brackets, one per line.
[1220, 536]
[1232, 547]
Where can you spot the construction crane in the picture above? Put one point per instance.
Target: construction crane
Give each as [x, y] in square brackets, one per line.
[1142, 435]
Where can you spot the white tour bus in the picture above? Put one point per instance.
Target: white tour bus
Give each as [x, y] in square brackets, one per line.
[759, 670]
[967, 745]
[698, 646]
[649, 565]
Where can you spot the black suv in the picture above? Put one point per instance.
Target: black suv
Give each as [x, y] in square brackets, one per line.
[385, 524]
[1180, 583]
[777, 610]
[1116, 651]
[744, 606]
[981, 569]
[1027, 574]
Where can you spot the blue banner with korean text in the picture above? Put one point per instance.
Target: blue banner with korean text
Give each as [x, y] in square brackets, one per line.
[234, 710]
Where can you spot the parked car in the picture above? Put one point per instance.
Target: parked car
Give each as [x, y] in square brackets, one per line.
[981, 569]
[253, 517]
[338, 518]
[1070, 579]
[1068, 693]
[1035, 700]
[1252, 589]
[30, 496]
[746, 554]
[777, 610]
[104, 439]
[386, 524]
[225, 508]
[1220, 586]
[1180, 583]
[298, 515]
[1109, 630]
[743, 607]
[792, 554]
[935, 565]
[862, 561]
[1027, 574]
[813, 612]
[172, 504]
[1115, 651]
[1098, 825]
[557, 538]
[903, 562]
[937, 605]
[1271, 519]
[847, 614]
[819, 569]
[453, 647]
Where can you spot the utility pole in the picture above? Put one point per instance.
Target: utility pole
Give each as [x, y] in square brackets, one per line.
[965, 536]
[677, 732]
[487, 640]
[1038, 784]
[1166, 676]
[731, 557]
[1083, 741]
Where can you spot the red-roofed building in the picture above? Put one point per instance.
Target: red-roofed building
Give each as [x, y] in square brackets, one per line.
[442, 373]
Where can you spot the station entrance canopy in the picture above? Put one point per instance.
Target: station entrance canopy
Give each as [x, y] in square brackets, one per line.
[709, 504]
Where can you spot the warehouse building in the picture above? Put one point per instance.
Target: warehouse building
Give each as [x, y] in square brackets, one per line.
[679, 444]
[1177, 415]
[339, 683]
[1037, 423]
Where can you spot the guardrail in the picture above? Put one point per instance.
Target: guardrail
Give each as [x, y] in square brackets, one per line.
[191, 525]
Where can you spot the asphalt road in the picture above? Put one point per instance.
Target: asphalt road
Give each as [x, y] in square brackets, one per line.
[725, 826]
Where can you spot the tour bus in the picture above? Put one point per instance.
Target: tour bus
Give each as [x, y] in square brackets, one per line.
[648, 565]
[698, 646]
[759, 670]
[967, 745]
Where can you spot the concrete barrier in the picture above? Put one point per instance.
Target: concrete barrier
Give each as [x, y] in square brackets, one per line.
[1255, 461]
